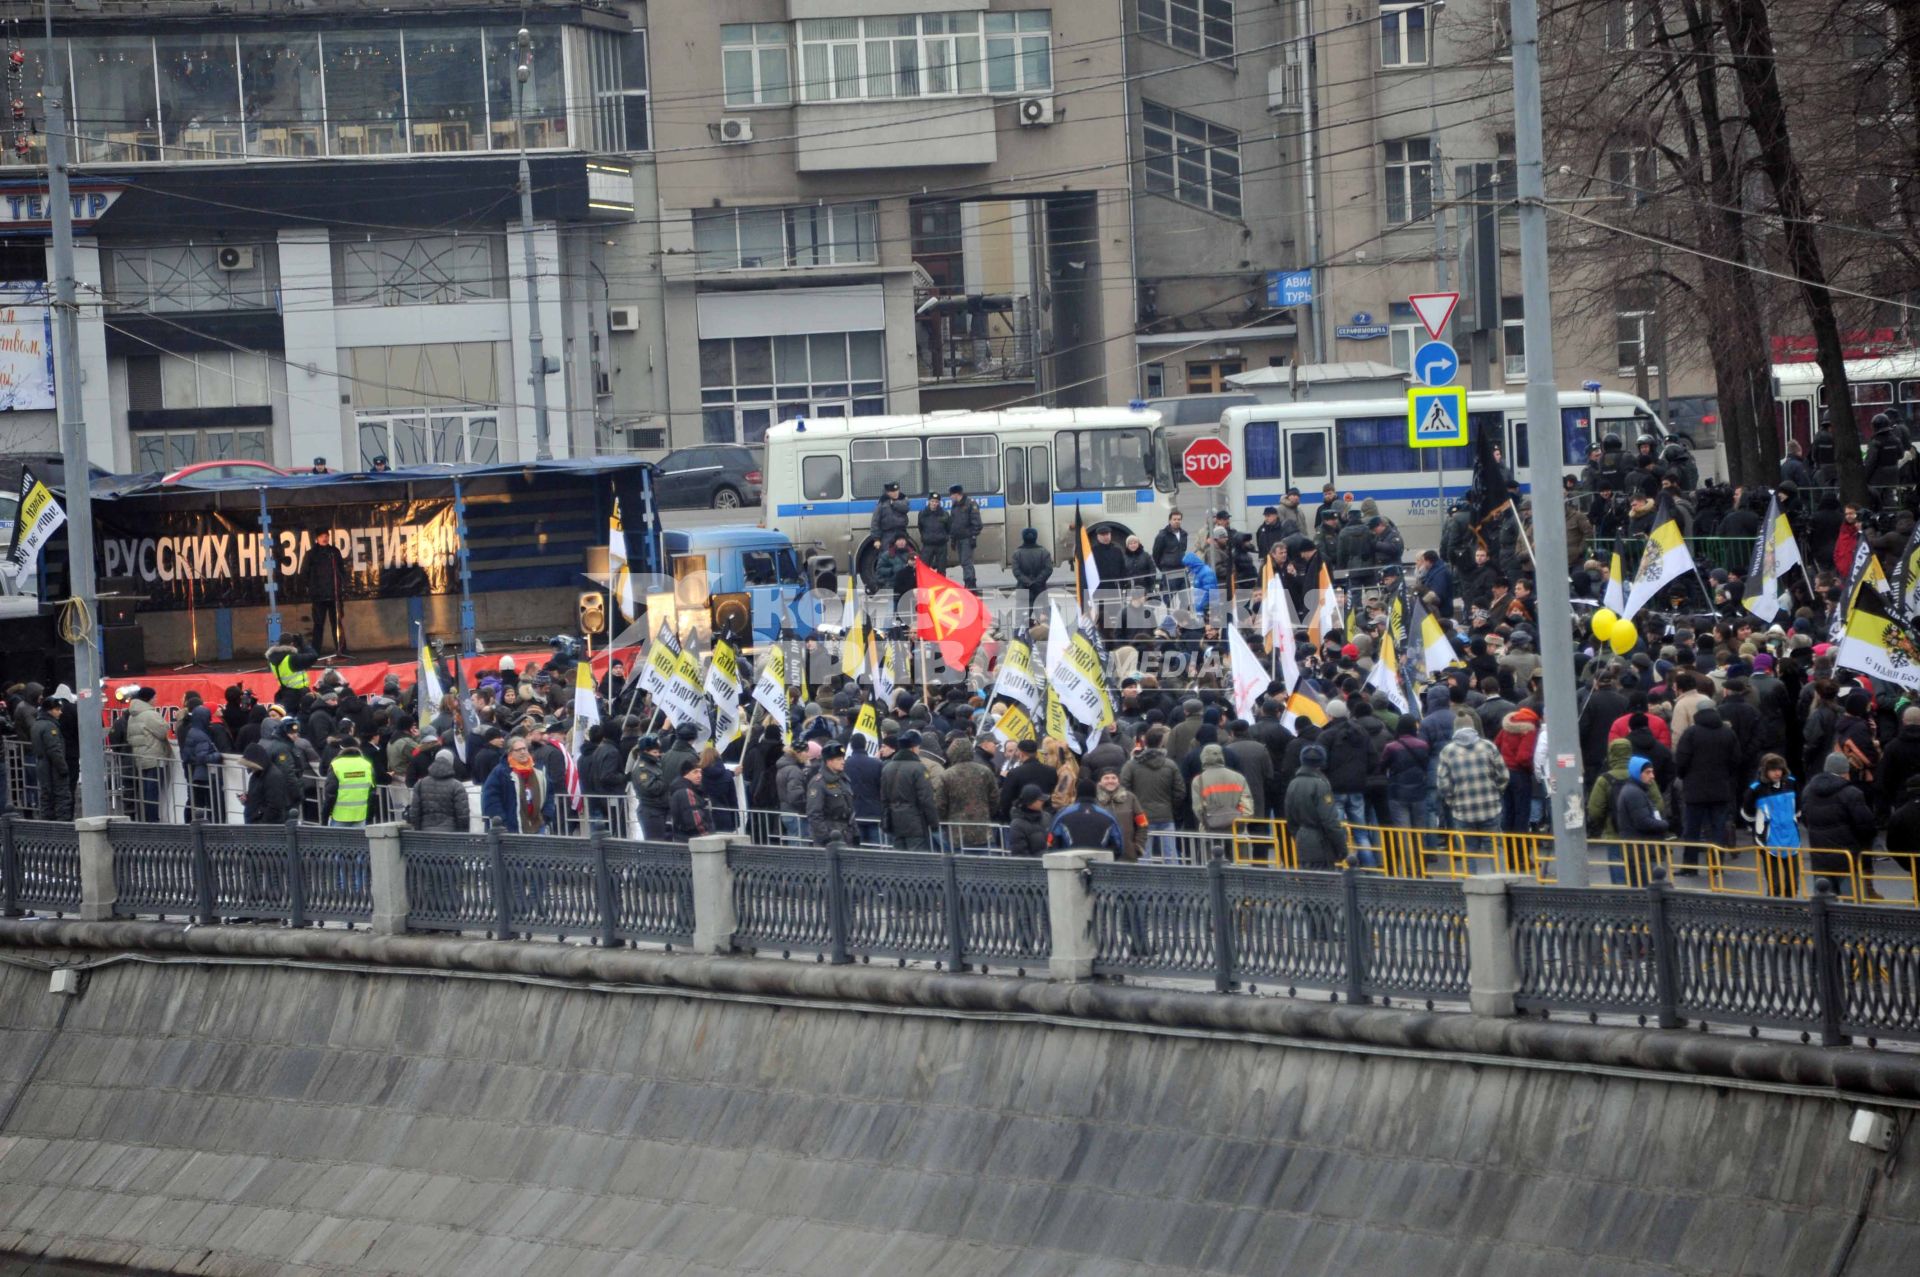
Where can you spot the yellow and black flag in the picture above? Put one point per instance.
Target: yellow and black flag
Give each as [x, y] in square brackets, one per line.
[1667, 558]
[1877, 644]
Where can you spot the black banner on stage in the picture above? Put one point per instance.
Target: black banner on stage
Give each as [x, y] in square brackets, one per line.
[217, 558]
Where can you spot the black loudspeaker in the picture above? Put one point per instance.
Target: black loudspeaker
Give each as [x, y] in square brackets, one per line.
[116, 610]
[119, 598]
[126, 648]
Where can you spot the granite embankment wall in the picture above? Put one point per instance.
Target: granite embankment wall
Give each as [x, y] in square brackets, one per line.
[210, 1114]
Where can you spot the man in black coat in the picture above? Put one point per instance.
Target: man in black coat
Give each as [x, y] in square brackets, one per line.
[1707, 760]
[325, 576]
[1250, 758]
[1170, 544]
[912, 816]
[1605, 705]
[1027, 770]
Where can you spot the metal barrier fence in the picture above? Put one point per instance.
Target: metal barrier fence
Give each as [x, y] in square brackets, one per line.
[1665, 955]
[1354, 934]
[854, 903]
[1673, 956]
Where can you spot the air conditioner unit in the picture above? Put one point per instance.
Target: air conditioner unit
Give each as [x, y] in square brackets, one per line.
[1035, 112]
[623, 319]
[736, 128]
[232, 258]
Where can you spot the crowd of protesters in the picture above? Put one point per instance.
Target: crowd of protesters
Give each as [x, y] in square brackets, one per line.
[1712, 728]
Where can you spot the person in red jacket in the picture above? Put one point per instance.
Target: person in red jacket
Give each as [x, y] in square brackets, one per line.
[1519, 732]
[1847, 543]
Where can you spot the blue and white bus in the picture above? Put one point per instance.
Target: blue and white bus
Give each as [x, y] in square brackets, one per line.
[1360, 446]
[1025, 467]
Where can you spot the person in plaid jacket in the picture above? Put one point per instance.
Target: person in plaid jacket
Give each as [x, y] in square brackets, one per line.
[1472, 780]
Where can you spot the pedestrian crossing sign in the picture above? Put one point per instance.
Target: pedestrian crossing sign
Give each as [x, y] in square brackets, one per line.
[1436, 416]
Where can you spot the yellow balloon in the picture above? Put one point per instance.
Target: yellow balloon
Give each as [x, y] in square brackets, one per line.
[1623, 637]
[1603, 622]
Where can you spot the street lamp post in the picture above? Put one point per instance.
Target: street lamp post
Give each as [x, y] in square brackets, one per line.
[536, 343]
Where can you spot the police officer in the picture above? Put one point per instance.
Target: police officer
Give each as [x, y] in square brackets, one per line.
[290, 659]
[890, 516]
[963, 530]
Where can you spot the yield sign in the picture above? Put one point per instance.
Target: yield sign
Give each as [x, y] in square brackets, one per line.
[1434, 310]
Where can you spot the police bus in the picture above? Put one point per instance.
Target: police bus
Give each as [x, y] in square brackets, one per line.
[1890, 384]
[1360, 446]
[1025, 468]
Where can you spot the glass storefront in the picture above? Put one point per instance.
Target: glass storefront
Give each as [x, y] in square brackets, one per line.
[211, 96]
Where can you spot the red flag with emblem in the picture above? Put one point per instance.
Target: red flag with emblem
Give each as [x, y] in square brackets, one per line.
[948, 614]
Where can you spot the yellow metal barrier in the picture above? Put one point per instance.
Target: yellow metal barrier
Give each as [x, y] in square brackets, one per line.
[1893, 878]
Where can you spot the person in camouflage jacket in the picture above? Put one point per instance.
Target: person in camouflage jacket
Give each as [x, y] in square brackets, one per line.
[966, 794]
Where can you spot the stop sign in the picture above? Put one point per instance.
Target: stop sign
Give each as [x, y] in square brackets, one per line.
[1207, 462]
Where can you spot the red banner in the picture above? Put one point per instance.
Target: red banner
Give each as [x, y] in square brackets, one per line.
[365, 680]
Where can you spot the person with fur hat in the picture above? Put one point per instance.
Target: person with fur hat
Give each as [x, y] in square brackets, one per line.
[911, 814]
[830, 800]
[290, 659]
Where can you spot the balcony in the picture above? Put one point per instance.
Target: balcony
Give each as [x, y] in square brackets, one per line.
[974, 339]
[839, 137]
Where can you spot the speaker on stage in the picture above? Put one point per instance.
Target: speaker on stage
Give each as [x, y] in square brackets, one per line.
[119, 598]
[126, 650]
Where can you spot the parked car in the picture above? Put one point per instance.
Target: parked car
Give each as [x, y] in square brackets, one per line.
[713, 476]
[223, 471]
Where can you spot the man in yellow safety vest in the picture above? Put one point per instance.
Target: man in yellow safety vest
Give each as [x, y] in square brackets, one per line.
[290, 659]
[349, 786]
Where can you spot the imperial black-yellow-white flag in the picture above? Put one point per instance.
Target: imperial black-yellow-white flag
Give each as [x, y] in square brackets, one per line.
[1877, 644]
[38, 518]
[1774, 552]
[1666, 558]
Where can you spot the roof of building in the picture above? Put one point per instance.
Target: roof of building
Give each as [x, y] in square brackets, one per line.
[1309, 374]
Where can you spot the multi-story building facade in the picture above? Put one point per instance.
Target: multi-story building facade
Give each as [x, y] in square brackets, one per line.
[301, 233]
[1348, 142]
[1215, 92]
[877, 206]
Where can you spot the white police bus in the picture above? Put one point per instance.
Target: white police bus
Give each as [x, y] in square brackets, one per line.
[1360, 446]
[1025, 468]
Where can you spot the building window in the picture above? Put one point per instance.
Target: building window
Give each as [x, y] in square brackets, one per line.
[183, 97]
[756, 64]
[617, 74]
[168, 450]
[1192, 160]
[206, 379]
[419, 270]
[1513, 338]
[1409, 180]
[782, 238]
[748, 383]
[925, 55]
[1631, 174]
[1197, 26]
[1405, 334]
[1209, 377]
[188, 277]
[428, 436]
[1627, 24]
[1153, 381]
[1403, 35]
[1633, 329]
